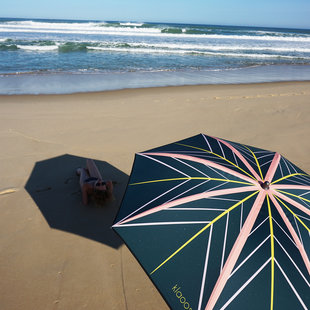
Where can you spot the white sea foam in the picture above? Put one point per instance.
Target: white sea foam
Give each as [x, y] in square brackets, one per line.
[198, 52]
[46, 25]
[132, 24]
[41, 48]
[79, 28]
[98, 31]
[135, 50]
[220, 47]
[174, 49]
[128, 30]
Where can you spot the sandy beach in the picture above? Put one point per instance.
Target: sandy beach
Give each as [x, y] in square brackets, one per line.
[56, 253]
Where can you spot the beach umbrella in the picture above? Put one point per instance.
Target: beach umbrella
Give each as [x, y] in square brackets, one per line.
[219, 225]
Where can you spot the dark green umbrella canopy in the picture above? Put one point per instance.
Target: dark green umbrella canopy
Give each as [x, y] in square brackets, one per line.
[219, 225]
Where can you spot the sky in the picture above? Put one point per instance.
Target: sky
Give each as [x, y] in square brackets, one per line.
[268, 13]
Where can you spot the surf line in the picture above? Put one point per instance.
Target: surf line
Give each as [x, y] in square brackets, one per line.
[181, 298]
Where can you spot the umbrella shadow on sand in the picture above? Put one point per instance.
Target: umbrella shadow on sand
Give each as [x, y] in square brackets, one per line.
[54, 186]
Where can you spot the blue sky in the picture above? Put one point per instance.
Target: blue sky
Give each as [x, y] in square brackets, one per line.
[274, 13]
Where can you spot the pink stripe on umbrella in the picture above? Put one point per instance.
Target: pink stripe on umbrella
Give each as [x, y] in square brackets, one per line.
[273, 167]
[236, 250]
[292, 202]
[188, 199]
[240, 156]
[292, 231]
[287, 186]
[205, 162]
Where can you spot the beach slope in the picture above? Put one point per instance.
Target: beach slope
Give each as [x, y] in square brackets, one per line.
[56, 253]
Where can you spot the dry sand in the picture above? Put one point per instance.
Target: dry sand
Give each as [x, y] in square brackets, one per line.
[56, 253]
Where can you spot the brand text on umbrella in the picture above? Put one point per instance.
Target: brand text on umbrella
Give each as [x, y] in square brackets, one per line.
[181, 298]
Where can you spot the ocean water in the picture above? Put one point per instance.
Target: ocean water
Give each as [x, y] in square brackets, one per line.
[67, 56]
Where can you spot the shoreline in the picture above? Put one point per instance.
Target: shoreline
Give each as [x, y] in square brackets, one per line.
[73, 83]
[161, 88]
[64, 254]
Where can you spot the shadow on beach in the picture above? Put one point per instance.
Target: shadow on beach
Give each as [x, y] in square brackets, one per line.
[54, 186]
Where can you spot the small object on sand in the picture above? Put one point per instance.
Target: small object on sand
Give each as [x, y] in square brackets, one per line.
[8, 191]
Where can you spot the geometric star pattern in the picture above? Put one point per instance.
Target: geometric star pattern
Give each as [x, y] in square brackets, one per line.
[219, 225]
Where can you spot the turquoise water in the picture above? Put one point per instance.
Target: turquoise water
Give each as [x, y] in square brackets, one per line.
[61, 56]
